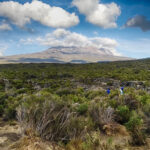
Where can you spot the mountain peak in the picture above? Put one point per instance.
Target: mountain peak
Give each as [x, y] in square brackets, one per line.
[65, 54]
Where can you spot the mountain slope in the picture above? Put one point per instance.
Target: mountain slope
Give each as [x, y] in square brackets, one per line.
[65, 55]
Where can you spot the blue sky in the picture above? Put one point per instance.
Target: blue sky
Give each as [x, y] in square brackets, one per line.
[123, 27]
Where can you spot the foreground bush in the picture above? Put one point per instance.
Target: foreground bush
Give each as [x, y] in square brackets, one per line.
[135, 125]
[52, 119]
[101, 114]
[123, 114]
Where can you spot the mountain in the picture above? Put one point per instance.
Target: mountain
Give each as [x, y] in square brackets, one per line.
[65, 55]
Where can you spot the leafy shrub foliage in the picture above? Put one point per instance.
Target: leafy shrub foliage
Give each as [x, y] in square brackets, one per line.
[135, 125]
[123, 114]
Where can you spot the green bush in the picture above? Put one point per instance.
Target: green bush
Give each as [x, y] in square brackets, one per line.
[92, 94]
[145, 99]
[10, 107]
[82, 109]
[9, 113]
[65, 91]
[1, 110]
[123, 114]
[3, 97]
[113, 103]
[135, 125]
[114, 93]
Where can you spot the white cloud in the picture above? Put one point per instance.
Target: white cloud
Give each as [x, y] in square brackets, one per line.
[103, 15]
[5, 26]
[27, 41]
[3, 47]
[21, 14]
[65, 38]
[86, 6]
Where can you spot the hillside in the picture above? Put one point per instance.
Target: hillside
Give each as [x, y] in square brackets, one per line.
[65, 55]
[66, 106]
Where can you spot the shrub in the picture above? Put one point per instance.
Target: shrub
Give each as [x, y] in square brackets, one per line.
[3, 97]
[123, 114]
[52, 119]
[10, 107]
[135, 125]
[9, 113]
[113, 103]
[101, 115]
[80, 91]
[146, 109]
[131, 101]
[145, 99]
[1, 109]
[92, 94]
[114, 93]
[135, 122]
[110, 83]
[65, 91]
[20, 91]
[82, 109]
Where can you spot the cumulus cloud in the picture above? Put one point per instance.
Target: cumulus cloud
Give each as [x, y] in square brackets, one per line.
[21, 14]
[139, 21]
[65, 38]
[5, 26]
[103, 15]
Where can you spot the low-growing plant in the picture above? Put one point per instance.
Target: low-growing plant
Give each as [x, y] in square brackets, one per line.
[145, 99]
[52, 118]
[113, 103]
[131, 101]
[135, 125]
[114, 93]
[101, 115]
[82, 109]
[123, 114]
[92, 94]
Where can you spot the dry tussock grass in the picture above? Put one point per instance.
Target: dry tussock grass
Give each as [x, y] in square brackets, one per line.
[31, 142]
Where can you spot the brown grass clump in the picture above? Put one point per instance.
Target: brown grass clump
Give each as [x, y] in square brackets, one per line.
[31, 142]
[115, 129]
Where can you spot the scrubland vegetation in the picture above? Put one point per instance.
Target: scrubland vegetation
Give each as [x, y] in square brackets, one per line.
[68, 104]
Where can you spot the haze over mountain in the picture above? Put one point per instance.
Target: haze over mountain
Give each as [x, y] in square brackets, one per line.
[65, 55]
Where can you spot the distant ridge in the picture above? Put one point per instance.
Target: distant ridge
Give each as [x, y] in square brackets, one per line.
[65, 55]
